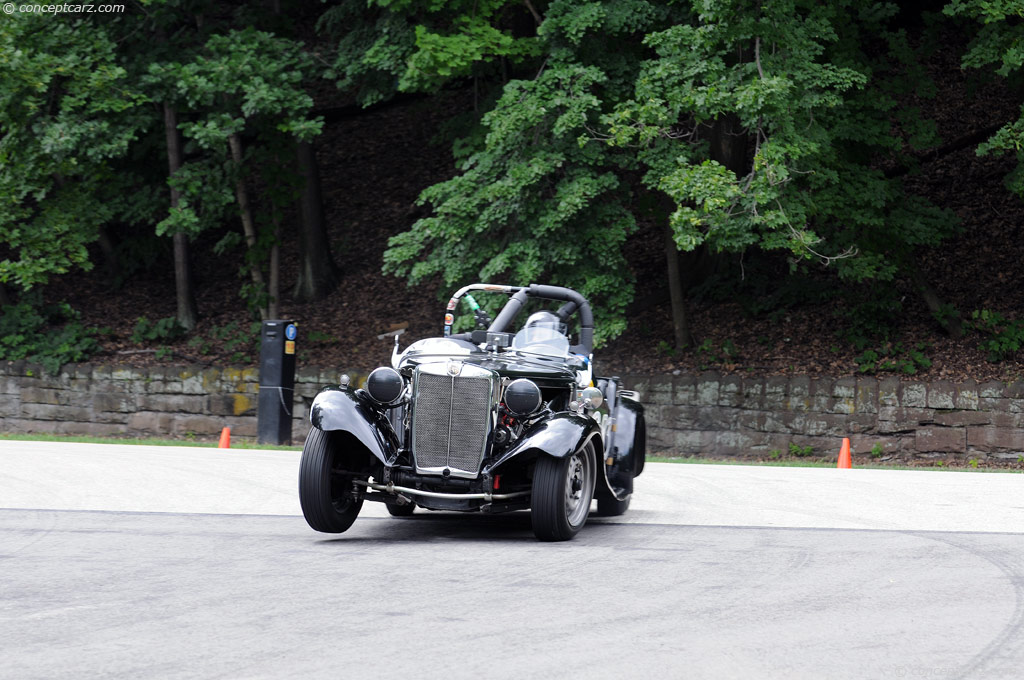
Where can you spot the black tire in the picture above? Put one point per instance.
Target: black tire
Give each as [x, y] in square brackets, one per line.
[397, 510]
[612, 507]
[562, 491]
[640, 445]
[326, 499]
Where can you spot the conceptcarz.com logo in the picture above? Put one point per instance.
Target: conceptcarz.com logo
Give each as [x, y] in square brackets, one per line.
[62, 8]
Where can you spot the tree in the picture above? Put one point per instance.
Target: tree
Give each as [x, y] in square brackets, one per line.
[318, 274]
[67, 110]
[242, 83]
[759, 125]
[999, 43]
[187, 311]
[791, 83]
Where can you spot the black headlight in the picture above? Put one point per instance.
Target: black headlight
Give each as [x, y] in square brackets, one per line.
[384, 385]
[522, 397]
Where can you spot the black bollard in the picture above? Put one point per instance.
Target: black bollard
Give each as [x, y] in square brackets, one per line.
[277, 382]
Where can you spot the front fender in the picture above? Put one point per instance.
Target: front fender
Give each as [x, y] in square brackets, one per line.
[559, 436]
[343, 409]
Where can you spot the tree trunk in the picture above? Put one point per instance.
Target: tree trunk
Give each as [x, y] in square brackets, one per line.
[947, 316]
[187, 313]
[245, 211]
[728, 144]
[680, 321]
[110, 261]
[318, 275]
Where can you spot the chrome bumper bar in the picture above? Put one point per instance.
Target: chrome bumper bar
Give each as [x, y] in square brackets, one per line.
[392, 488]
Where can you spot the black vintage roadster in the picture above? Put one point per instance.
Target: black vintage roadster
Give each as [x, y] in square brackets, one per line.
[488, 420]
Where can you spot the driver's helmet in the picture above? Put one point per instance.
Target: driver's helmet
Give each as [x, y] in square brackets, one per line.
[542, 327]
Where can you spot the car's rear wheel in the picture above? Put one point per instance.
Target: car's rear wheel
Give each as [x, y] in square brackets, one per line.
[562, 491]
[397, 510]
[328, 501]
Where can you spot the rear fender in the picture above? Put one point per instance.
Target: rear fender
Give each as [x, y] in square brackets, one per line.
[630, 446]
[343, 409]
[559, 436]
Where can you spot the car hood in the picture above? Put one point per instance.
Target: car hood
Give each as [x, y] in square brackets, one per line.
[507, 365]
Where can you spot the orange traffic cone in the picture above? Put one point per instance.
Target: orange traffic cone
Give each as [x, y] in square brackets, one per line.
[844, 455]
[225, 438]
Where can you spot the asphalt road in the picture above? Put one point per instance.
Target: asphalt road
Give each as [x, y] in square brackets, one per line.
[153, 562]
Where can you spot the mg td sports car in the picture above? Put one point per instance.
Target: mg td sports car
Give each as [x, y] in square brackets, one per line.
[484, 421]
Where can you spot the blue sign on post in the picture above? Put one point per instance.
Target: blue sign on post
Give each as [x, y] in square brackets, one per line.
[291, 332]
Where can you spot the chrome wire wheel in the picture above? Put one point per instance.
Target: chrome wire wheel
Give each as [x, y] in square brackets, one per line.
[579, 487]
[562, 491]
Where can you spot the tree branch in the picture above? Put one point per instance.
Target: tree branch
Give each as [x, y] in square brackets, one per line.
[757, 57]
[533, 11]
[976, 137]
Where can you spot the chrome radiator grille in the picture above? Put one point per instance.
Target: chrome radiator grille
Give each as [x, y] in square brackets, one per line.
[451, 419]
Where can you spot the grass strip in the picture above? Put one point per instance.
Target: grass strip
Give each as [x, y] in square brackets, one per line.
[149, 441]
[698, 460]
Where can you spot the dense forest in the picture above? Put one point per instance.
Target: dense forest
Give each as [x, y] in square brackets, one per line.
[759, 185]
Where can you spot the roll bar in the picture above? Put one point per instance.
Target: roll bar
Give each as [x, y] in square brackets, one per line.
[574, 303]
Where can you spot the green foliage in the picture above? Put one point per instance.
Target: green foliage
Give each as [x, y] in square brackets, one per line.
[792, 83]
[67, 109]
[622, 122]
[207, 199]
[532, 205]
[239, 342]
[165, 329]
[242, 75]
[242, 82]
[386, 46]
[894, 358]
[320, 337]
[373, 46]
[736, 124]
[200, 344]
[49, 335]
[1004, 337]
[999, 43]
[793, 450]
[471, 40]
[800, 451]
[708, 354]
[877, 450]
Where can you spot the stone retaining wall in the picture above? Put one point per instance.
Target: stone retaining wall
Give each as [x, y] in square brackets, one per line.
[708, 414]
[180, 401]
[727, 415]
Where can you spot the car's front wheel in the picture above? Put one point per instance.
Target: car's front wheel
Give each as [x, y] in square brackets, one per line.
[562, 491]
[326, 495]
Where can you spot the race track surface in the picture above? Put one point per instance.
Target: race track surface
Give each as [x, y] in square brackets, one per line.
[159, 562]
